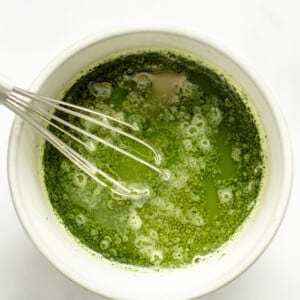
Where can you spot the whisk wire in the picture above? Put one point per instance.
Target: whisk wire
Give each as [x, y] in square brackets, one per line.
[23, 104]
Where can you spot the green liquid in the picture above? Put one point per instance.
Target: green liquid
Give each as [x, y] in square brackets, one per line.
[208, 139]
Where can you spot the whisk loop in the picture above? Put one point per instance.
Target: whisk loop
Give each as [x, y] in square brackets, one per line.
[23, 103]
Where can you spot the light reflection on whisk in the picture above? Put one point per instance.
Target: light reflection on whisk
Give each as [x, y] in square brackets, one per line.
[23, 104]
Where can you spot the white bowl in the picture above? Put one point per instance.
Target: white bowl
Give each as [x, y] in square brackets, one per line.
[98, 275]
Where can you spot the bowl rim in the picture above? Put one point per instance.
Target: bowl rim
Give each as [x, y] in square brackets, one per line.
[192, 35]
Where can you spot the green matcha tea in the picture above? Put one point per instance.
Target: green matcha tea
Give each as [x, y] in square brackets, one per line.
[208, 138]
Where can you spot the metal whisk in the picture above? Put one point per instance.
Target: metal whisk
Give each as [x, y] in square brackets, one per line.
[24, 104]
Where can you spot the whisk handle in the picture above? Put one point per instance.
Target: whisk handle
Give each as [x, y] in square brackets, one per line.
[5, 88]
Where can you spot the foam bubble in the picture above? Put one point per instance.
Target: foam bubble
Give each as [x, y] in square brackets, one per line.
[97, 191]
[80, 179]
[156, 256]
[183, 126]
[80, 219]
[113, 252]
[134, 221]
[204, 144]
[193, 217]
[258, 170]
[142, 241]
[104, 244]
[125, 238]
[236, 154]
[188, 145]
[215, 116]
[167, 208]
[189, 90]
[225, 195]
[191, 130]
[153, 234]
[94, 232]
[177, 255]
[143, 82]
[183, 116]
[197, 220]
[200, 122]
[195, 163]
[146, 250]
[134, 99]
[125, 82]
[157, 201]
[90, 146]
[65, 166]
[180, 180]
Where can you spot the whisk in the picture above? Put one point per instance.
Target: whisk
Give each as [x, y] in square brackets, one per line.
[27, 105]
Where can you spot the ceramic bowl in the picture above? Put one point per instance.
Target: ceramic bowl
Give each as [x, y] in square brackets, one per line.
[99, 275]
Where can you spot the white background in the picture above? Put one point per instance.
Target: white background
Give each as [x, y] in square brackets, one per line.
[265, 33]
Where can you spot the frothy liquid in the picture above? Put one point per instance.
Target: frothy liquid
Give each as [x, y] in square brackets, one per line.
[210, 151]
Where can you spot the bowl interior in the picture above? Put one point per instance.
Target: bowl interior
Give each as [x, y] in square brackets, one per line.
[98, 275]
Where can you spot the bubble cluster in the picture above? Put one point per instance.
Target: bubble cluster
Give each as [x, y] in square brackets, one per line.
[141, 241]
[101, 90]
[225, 195]
[236, 154]
[126, 82]
[195, 164]
[189, 90]
[179, 179]
[193, 217]
[143, 83]
[80, 219]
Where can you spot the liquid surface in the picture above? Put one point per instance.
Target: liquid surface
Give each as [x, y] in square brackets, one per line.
[208, 140]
